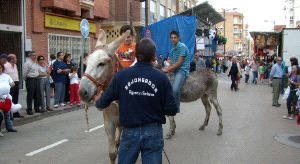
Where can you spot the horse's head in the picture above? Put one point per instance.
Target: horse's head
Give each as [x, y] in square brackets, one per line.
[101, 66]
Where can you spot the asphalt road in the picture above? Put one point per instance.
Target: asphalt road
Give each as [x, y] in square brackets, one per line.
[250, 123]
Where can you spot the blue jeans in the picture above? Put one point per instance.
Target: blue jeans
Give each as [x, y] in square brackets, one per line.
[177, 83]
[59, 96]
[147, 139]
[7, 120]
[255, 76]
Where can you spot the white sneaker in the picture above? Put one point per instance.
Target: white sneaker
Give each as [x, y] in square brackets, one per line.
[1, 135]
[285, 117]
[291, 118]
[62, 104]
[55, 106]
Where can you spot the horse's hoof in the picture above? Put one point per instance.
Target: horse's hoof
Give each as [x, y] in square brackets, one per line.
[202, 128]
[219, 133]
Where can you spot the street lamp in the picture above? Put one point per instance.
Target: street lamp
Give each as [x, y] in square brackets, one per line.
[271, 22]
[224, 28]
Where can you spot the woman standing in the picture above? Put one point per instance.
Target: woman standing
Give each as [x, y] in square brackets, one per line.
[67, 60]
[234, 73]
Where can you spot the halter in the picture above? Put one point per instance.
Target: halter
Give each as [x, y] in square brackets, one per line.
[102, 86]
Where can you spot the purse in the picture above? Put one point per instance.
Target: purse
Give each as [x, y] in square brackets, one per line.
[5, 104]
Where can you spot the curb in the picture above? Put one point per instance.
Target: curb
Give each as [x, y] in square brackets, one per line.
[39, 116]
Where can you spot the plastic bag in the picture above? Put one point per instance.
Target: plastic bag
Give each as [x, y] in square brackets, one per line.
[286, 93]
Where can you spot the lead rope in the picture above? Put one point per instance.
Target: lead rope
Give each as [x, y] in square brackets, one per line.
[166, 156]
[86, 117]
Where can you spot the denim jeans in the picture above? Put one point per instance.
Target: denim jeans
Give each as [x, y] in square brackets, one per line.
[147, 139]
[45, 92]
[177, 82]
[59, 96]
[7, 119]
[255, 76]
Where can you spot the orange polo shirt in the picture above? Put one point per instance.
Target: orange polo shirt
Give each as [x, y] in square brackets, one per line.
[126, 54]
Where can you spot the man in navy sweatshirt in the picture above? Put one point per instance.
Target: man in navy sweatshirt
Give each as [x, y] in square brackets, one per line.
[145, 96]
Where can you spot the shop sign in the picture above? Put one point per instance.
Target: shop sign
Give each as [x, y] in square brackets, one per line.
[52, 21]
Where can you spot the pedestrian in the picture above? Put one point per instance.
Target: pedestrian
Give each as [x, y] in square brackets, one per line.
[12, 70]
[254, 68]
[234, 73]
[70, 64]
[60, 70]
[31, 74]
[74, 87]
[276, 78]
[6, 83]
[179, 67]
[247, 73]
[208, 63]
[126, 51]
[200, 63]
[52, 60]
[291, 102]
[141, 119]
[44, 81]
[261, 71]
[160, 61]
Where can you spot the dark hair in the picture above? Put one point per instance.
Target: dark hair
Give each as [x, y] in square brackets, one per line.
[74, 68]
[52, 57]
[2, 65]
[145, 50]
[294, 61]
[58, 54]
[3, 56]
[125, 28]
[174, 33]
[298, 70]
[66, 56]
[40, 58]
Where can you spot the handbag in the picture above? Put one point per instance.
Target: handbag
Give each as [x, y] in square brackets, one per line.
[5, 104]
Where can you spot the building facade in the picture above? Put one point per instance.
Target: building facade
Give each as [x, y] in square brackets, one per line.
[53, 26]
[132, 12]
[234, 30]
[292, 13]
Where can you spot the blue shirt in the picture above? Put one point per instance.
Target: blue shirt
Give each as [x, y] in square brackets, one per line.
[181, 50]
[59, 77]
[276, 71]
[145, 96]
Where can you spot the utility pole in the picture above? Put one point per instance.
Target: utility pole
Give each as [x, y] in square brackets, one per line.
[224, 28]
[146, 13]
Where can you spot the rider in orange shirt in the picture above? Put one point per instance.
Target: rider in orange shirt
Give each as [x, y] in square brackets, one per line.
[126, 51]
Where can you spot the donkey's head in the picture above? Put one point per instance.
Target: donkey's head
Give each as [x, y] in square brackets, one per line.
[101, 66]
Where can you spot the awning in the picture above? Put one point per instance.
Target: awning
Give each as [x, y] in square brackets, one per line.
[205, 13]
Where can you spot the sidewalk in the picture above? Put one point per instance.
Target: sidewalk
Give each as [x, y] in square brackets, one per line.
[39, 116]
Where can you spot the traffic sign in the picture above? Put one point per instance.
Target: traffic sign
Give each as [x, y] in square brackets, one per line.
[84, 28]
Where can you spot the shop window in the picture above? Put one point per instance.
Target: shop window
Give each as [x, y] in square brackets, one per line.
[68, 44]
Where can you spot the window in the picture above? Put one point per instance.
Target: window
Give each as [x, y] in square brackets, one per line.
[173, 4]
[66, 43]
[152, 11]
[142, 11]
[169, 13]
[173, 13]
[162, 12]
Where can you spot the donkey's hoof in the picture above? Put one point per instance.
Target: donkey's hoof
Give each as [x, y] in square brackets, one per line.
[202, 127]
[219, 132]
[168, 136]
[173, 132]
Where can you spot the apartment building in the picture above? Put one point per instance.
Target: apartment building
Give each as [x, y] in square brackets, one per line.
[234, 29]
[133, 12]
[292, 13]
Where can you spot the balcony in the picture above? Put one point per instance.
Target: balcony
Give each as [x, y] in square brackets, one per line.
[69, 5]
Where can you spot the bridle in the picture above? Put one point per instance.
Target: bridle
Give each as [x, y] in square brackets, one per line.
[102, 86]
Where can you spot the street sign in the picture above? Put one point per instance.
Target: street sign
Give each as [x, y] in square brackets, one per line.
[84, 28]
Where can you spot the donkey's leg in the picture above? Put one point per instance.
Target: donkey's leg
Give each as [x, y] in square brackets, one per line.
[118, 136]
[207, 106]
[172, 127]
[214, 100]
[110, 129]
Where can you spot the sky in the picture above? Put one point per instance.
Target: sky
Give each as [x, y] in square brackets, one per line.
[255, 11]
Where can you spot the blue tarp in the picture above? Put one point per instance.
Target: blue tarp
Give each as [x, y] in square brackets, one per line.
[160, 33]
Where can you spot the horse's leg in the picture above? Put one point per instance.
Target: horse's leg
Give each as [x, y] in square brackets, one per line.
[110, 129]
[207, 106]
[172, 127]
[214, 100]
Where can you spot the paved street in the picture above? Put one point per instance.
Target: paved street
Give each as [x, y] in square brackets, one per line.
[250, 123]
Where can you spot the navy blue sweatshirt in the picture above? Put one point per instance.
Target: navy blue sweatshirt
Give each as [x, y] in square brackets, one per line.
[145, 96]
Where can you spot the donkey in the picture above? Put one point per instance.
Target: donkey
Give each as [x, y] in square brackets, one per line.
[200, 84]
[102, 64]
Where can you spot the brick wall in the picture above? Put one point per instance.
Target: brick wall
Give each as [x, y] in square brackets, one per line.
[101, 9]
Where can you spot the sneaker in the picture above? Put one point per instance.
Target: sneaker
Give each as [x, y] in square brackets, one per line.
[291, 118]
[62, 104]
[56, 106]
[71, 104]
[1, 135]
[286, 116]
[78, 104]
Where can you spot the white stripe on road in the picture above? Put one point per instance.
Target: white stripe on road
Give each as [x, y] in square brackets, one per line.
[46, 148]
[95, 128]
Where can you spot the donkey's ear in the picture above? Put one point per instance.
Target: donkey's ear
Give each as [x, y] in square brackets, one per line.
[113, 46]
[101, 38]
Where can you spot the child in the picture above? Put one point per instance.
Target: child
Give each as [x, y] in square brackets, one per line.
[74, 87]
[247, 72]
[261, 71]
